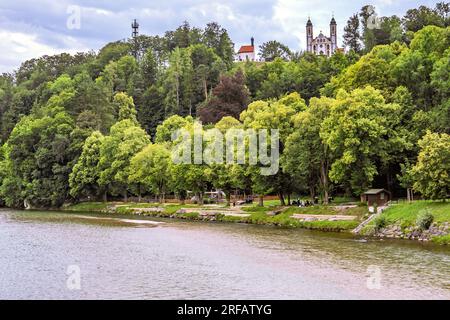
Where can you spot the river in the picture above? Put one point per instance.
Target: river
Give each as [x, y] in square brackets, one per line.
[118, 257]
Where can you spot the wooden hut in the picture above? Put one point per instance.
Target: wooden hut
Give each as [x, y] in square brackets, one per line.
[376, 196]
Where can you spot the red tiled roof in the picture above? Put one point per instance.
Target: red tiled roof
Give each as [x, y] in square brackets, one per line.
[246, 49]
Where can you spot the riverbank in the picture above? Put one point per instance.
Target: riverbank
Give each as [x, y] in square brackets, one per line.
[402, 221]
[339, 218]
[419, 220]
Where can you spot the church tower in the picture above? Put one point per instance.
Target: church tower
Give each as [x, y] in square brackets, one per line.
[333, 35]
[309, 36]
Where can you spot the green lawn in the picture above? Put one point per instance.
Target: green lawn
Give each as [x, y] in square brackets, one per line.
[328, 210]
[88, 206]
[406, 213]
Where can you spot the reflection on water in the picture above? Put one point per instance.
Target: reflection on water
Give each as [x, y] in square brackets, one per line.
[133, 258]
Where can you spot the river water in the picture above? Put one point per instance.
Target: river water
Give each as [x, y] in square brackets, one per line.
[53, 255]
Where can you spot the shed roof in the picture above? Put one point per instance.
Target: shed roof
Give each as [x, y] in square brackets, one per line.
[376, 191]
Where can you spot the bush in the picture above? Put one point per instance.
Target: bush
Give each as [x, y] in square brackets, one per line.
[380, 222]
[424, 219]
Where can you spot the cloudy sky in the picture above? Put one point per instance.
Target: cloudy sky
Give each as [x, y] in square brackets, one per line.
[30, 29]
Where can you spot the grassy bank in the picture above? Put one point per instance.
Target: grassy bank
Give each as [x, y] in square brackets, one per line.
[406, 216]
[252, 214]
[406, 213]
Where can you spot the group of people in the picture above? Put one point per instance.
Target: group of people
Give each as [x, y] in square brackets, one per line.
[308, 203]
[303, 203]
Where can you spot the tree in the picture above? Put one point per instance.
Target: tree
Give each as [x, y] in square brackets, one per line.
[226, 176]
[270, 50]
[125, 105]
[352, 36]
[84, 175]
[361, 131]
[171, 125]
[368, 21]
[150, 169]
[406, 179]
[272, 115]
[149, 67]
[216, 37]
[230, 98]
[431, 173]
[416, 19]
[374, 69]
[306, 157]
[116, 151]
[178, 83]
[39, 160]
[413, 67]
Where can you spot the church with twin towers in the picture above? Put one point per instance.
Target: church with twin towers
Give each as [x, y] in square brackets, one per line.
[321, 45]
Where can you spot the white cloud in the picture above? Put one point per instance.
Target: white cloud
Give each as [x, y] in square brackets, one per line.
[17, 47]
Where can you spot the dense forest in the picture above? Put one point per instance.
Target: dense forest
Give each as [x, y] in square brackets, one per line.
[96, 125]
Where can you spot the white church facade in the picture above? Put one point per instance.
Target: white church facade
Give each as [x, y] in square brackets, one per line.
[321, 45]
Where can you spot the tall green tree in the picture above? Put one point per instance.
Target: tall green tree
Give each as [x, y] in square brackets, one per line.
[124, 141]
[431, 174]
[307, 158]
[83, 180]
[361, 131]
[150, 170]
[351, 36]
[270, 50]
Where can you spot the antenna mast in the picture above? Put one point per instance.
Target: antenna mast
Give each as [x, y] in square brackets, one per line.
[134, 34]
[135, 27]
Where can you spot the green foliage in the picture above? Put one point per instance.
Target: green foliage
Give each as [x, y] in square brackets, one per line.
[169, 126]
[150, 169]
[273, 49]
[431, 174]
[38, 161]
[78, 126]
[360, 131]
[307, 157]
[424, 219]
[380, 222]
[84, 175]
[125, 105]
[442, 240]
[116, 152]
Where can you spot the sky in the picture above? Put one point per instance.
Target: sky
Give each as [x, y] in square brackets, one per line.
[30, 29]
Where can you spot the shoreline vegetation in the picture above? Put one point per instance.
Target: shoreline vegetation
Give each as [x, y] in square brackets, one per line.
[107, 125]
[401, 221]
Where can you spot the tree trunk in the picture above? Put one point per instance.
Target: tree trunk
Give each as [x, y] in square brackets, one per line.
[228, 198]
[324, 178]
[280, 196]
[261, 200]
[105, 197]
[200, 198]
[389, 181]
[312, 192]
[125, 196]
[289, 199]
